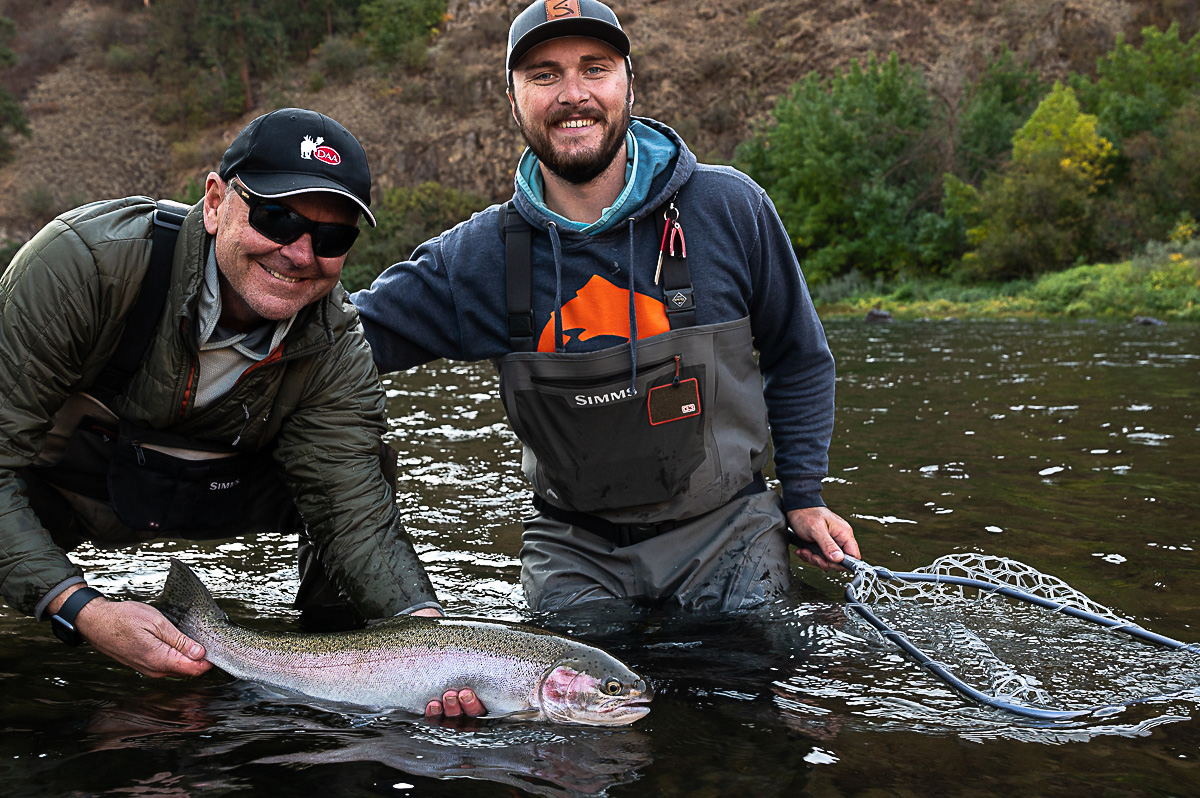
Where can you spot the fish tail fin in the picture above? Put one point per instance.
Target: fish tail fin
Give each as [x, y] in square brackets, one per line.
[184, 593]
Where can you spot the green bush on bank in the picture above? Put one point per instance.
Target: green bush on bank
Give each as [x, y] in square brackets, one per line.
[1039, 213]
[855, 163]
[407, 217]
[880, 176]
[845, 162]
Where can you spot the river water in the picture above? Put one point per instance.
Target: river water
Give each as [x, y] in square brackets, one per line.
[1068, 446]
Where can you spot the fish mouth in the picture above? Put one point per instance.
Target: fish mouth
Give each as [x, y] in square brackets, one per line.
[623, 711]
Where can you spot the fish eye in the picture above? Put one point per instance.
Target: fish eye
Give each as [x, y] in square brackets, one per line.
[612, 686]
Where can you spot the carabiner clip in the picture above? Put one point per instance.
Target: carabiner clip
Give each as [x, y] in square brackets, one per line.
[670, 230]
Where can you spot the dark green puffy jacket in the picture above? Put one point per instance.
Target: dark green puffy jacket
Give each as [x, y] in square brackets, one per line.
[316, 401]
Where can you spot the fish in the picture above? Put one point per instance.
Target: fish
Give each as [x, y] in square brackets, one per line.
[519, 672]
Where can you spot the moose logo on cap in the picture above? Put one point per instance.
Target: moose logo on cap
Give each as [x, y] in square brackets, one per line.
[310, 149]
[557, 9]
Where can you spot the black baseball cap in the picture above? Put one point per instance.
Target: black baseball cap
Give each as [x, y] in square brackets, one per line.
[294, 151]
[553, 19]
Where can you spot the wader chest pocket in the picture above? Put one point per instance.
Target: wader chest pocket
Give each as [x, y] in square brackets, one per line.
[156, 486]
[596, 445]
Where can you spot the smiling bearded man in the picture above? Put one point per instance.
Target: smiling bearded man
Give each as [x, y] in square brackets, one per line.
[622, 295]
[586, 111]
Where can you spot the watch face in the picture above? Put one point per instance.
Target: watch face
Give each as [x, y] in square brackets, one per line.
[65, 631]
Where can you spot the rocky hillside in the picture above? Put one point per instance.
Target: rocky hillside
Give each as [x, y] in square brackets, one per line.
[710, 68]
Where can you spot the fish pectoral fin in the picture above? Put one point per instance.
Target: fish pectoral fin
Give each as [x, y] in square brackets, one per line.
[519, 714]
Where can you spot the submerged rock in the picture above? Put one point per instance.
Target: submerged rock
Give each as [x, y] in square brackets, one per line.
[1148, 321]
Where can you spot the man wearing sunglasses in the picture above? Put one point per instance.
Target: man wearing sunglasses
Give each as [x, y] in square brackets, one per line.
[254, 406]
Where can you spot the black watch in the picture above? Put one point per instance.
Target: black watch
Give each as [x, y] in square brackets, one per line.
[63, 621]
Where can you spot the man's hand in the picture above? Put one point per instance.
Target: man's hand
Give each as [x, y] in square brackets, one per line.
[454, 703]
[141, 637]
[829, 531]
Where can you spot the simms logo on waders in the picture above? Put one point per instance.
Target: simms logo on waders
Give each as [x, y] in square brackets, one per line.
[583, 400]
[223, 485]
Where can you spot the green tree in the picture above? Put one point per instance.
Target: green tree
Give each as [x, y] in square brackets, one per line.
[1138, 88]
[407, 217]
[206, 57]
[846, 161]
[12, 118]
[1146, 100]
[397, 30]
[995, 105]
[1039, 214]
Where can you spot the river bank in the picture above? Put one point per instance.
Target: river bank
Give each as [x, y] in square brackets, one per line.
[1163, 285]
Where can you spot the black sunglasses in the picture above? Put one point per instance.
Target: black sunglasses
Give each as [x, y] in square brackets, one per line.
[283, 225]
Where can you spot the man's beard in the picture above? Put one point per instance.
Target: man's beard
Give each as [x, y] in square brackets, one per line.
[577, 168]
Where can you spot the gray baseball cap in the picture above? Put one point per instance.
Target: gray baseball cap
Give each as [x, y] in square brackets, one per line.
[553, 19]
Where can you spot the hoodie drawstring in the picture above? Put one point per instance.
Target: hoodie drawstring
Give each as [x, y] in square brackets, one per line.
[633, 336]
[556, 246]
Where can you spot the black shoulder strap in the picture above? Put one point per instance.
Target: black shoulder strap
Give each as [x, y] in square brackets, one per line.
[518, 277]
[143, 318]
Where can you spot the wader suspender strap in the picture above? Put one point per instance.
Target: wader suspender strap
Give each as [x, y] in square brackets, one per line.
[518, 270]
[676, 279]
[143, 318]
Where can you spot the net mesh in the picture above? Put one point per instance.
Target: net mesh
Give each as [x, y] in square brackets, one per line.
[1014, 651]
[874, 589]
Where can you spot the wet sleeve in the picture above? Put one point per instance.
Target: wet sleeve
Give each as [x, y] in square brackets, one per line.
[50, 300]
[797, 365]
[328, 450]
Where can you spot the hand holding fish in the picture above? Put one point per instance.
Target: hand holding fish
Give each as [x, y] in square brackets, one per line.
[828, 530]
[454, 703]
[141, 637]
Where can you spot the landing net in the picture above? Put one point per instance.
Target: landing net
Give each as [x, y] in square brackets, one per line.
[1008, 636]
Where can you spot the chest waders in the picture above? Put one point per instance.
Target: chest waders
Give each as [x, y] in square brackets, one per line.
[627, 454]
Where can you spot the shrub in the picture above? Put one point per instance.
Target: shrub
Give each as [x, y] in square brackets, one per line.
[1137, 89]
[846, 162]
[1167, 287]
[397, 30]
[1038, 215]
[12, 118]
[340, 58]
[407, 217]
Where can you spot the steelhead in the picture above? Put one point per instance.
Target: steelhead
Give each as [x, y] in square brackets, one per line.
[402, 663]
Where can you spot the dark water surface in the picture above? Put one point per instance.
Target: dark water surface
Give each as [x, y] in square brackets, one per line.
[1072, 447]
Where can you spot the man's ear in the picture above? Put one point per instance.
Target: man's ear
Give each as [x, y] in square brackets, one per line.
[214, 195]
[512, 102]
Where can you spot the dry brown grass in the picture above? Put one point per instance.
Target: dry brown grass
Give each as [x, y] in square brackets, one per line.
[712, 68]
